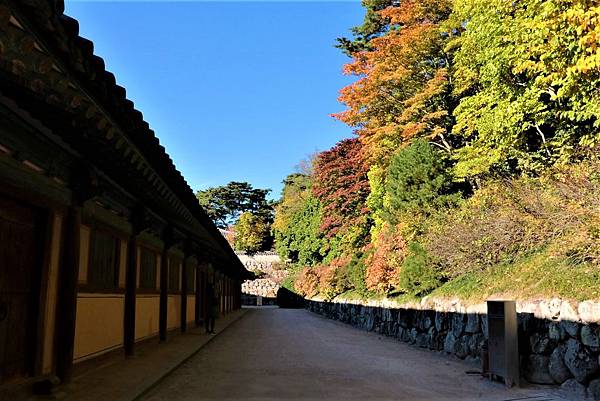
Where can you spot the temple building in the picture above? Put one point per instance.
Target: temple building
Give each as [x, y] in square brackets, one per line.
[103, 244]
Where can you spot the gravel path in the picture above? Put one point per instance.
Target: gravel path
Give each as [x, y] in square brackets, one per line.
[283, 354]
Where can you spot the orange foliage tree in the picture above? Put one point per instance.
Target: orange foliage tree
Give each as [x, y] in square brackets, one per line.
[403, 86]
[341, 185]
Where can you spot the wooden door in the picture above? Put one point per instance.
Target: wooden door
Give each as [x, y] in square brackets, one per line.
[20, 246]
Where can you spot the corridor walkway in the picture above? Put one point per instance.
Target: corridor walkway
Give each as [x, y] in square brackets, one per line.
[282, 354]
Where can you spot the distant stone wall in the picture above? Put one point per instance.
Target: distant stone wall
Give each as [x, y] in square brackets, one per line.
[267, 264]
[558, 343]
[260, 287]
[261, 258]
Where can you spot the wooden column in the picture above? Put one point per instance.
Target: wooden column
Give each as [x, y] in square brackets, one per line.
[228, 294]
[222, 288]
[163, 302]
[130, 295]
[203, 295]
[238, 295]
[224, 292]
[164, 294]
[184, 280]
[67, 302]
[198, 312]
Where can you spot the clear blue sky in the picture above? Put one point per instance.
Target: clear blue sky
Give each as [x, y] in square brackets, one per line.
[236, 91]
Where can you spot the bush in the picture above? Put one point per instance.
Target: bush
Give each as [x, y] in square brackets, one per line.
[417, 181]
[307, 283]
[357, 274]
[333, 278]
[418, 275]
[506, 220]
[384, 259]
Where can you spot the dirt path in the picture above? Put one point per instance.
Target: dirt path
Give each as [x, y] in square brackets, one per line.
[279, 354]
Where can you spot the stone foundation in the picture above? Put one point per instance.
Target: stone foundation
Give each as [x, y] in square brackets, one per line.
[552, 350]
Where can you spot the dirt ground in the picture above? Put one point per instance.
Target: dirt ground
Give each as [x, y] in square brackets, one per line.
[283, 354]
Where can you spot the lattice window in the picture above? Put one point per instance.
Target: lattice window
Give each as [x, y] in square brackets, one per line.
[174, 275]
[147, 269]
[191, 279]
[103, 268]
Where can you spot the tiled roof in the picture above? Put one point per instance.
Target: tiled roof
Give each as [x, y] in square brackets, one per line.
[61, 33]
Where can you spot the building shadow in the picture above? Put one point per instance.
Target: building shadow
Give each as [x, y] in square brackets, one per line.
[289, 300]
[550, 352]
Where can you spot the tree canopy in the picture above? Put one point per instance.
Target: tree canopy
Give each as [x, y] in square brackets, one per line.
[449, 97]
[244, 210]
[225, 204]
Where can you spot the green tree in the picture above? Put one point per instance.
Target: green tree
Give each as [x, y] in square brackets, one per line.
[251, 233]
[418, 275]
[417, 181]
[224, 204]
[297, 222]
[373, 25]
[527, 73]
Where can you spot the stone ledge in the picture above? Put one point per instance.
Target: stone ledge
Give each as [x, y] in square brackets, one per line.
[554, 309]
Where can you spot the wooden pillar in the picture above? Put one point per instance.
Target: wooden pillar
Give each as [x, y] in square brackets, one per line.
[164, 294]
[197, 295]
[130, 295]
[222, 285]
[234, 293]
[228, 294]
[184, 280]
[67, 310]
[204, 295]
[225, 292]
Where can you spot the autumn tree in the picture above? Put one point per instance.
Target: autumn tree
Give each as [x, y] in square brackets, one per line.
[450, 95]
[402, 90]
[341, 185]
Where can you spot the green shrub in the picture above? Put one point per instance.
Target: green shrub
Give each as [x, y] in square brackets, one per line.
[417, 181]
[356, 270]
[506, 220]
[418, 275]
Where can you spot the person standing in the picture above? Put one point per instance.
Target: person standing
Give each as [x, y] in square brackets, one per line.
[213, 309]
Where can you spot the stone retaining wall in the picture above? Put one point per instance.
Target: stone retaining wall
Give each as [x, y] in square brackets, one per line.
[553, 350]
[263, 287]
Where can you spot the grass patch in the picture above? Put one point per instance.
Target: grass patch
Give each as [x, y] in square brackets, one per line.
[540, 275]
